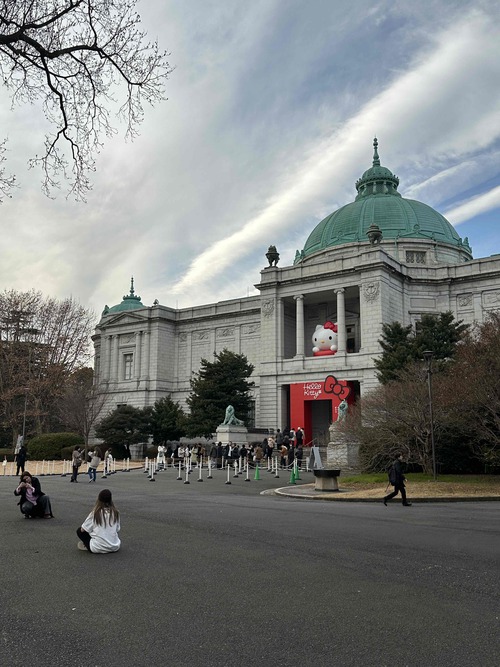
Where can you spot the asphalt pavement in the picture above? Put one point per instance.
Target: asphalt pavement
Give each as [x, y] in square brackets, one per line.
[232, 575]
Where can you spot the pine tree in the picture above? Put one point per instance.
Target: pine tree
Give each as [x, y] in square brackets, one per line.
[218, 384]
[401, 345]
[168, 421]
[396, 343]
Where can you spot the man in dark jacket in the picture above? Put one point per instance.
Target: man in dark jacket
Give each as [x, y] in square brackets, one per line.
[20, 459]
[397, 479]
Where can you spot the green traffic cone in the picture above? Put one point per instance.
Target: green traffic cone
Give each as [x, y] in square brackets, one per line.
[292, 477]
[257, 474]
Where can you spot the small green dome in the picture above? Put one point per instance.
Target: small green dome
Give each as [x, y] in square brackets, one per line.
[379, 203]
[130, 302]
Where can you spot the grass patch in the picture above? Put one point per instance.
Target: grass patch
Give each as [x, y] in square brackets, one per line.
[419, 478]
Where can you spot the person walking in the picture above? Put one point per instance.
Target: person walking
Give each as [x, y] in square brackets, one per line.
[397, 479]
[99, 532]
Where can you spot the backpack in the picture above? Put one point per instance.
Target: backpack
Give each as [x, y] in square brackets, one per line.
[391, 473]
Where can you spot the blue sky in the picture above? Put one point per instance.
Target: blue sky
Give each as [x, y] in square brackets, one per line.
[272, 109]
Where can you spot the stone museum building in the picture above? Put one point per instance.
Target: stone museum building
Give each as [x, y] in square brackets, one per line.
[378, 259]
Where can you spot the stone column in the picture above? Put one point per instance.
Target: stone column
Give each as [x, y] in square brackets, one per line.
[107, 370]
[137, 355]
[116, 358]
[145, 360]
[299, 334]
[341, 333]
[280, 329]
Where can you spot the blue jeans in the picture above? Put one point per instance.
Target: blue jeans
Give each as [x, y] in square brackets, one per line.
[92, 474]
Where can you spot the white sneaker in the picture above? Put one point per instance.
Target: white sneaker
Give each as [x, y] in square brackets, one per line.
[81, 546]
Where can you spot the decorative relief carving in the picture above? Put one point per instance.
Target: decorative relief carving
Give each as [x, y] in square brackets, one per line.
[371, 291]
[126, 338]
[183, 338]
[250, 329]
[200, 335]
[268, 307]
[464, 300]
[226, 332]
[491, 299]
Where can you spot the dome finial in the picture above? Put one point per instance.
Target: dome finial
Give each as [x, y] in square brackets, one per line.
[132, 291]
[376, 159]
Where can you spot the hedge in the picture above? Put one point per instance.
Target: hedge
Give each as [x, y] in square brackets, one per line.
[49, 446]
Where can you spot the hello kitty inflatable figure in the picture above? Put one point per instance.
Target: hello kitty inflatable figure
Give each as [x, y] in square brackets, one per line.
[325, 339]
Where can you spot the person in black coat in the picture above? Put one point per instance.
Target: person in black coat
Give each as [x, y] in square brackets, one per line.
[33, 502]
[20, 459]
[397, 479]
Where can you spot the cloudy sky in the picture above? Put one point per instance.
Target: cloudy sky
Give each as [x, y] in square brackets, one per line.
[272, 109]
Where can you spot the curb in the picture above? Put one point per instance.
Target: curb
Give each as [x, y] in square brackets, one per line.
[338, 496]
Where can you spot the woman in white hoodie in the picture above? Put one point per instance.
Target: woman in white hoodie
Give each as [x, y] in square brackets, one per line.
[99, 532]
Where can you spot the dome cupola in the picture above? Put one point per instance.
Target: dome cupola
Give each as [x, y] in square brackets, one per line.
[379, 206]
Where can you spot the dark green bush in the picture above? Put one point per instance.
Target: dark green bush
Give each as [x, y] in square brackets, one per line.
[51, 445]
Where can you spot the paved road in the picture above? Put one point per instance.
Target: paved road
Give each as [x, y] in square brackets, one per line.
[219, 575]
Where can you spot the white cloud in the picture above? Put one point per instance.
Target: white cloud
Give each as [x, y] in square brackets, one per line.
[270, 118]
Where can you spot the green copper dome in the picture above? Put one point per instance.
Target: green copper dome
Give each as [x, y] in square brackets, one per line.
[130, 302]
[379, 203]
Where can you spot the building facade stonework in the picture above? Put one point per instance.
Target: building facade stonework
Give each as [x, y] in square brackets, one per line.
[417, 264]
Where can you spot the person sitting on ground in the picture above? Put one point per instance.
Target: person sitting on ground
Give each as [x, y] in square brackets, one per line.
[33, 502]
[99, 532]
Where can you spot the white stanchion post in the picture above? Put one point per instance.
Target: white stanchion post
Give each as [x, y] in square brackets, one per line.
[146, 464]
[199, 474]
[209, 476]
[235, 469]
[247, 478]
[228, 481]
[4, 465]
[276, 474]
[180, 468]
[186, 481]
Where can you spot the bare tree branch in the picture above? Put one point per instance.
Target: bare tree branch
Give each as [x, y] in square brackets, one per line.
[75, 56]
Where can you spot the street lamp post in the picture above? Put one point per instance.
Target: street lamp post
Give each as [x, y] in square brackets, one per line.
[24, 415]
[428, 355]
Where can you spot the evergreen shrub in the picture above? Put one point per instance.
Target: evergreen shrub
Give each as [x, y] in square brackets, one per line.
[51, 445]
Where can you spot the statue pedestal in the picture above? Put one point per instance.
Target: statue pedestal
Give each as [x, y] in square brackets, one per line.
[342, 451]
[231, 433]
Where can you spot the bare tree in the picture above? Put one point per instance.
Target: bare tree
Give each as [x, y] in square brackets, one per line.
[42, 341]
[7, 182]
[75, 56]
[82, 403]
[395, 418]
[475, 388]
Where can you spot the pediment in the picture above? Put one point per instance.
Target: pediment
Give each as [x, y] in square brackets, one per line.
[122, 319]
